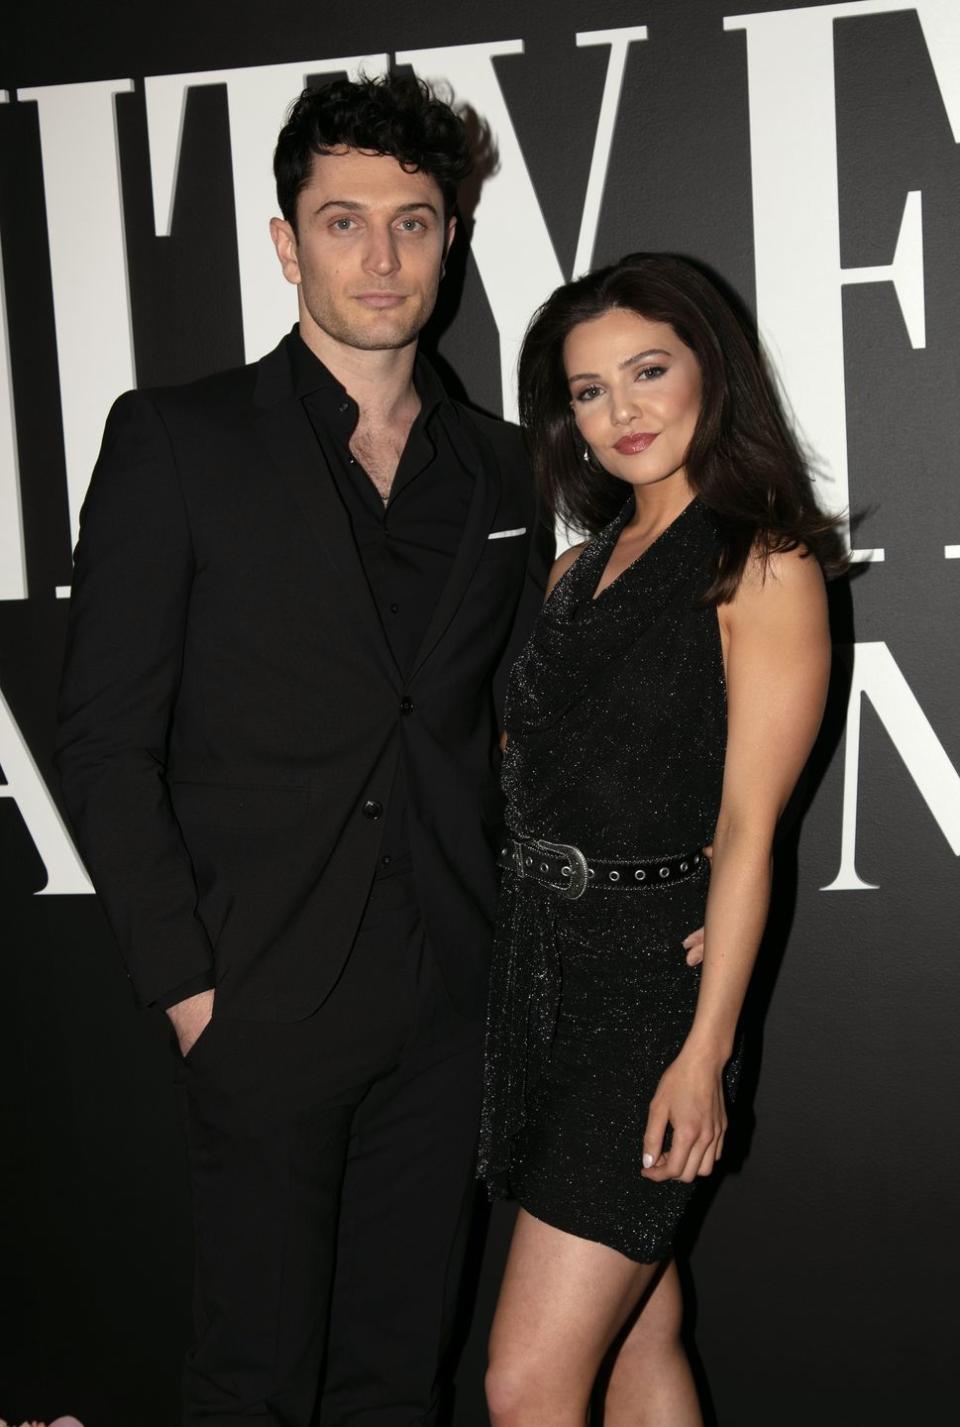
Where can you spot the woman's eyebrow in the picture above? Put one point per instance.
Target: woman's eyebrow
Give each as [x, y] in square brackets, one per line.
[627, 362]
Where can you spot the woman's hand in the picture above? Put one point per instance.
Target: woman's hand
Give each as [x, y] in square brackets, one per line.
[690, 1099]
[693, 946]
[693, 943]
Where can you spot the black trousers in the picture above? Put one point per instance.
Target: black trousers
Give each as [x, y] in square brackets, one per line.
[332, 1174]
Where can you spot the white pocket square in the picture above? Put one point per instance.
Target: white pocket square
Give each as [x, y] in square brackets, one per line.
[507, 534]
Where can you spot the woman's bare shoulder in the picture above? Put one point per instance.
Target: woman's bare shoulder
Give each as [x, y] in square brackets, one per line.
[565, 562]
[783, 595]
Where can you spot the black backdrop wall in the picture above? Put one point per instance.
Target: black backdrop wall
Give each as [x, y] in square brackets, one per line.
[809, 155]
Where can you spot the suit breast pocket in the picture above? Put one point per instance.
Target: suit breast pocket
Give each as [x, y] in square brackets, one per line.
[504, 560]
[510, 544]
[237, 806]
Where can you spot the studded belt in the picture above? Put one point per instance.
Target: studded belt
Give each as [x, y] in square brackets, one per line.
[567, 870]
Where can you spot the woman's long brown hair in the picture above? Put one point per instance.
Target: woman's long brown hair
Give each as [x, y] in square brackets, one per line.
[744, 461]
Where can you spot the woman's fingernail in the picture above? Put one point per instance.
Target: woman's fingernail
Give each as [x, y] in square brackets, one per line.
[648, 1161]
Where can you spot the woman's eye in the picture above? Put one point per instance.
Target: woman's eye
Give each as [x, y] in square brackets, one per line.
[587, 394]
[647, 373]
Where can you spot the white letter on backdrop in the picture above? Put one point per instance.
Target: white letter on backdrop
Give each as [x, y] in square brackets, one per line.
[13, 559]
[876, 674]
[793, 142]
[81, 176]
[619, 42]
[65, 871]
[511, 244]
[258, 98]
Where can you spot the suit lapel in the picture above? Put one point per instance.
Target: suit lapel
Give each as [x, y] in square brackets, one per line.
[479, 458]
[287, 442]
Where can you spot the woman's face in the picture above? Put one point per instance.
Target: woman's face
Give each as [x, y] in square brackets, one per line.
[635, 393]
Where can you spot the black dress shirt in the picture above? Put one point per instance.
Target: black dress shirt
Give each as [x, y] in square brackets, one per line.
[407, 544]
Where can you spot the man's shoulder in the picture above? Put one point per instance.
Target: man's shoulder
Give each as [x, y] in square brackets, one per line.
[222, 399]
[219, 396]
[504, 436]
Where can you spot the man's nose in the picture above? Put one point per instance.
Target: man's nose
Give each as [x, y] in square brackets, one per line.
[381, 255]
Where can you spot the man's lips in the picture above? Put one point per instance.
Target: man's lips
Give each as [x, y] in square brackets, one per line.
[636, 442]
[381, 299]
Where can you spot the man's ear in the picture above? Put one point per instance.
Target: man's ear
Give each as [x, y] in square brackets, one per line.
[285, 242]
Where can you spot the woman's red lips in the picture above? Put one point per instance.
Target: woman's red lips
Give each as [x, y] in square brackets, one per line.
[636, 442]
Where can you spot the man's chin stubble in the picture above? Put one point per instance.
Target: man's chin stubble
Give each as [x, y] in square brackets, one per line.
[365, 337]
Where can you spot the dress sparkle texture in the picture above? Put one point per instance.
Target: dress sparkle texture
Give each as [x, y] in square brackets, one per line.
[616, 715]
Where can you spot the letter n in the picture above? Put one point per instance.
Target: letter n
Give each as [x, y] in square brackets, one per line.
[876, 675]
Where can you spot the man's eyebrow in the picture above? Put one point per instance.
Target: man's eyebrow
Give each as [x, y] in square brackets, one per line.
[627, 362]
[352, 206]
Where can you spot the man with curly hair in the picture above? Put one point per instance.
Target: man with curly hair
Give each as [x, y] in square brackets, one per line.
[295, 585]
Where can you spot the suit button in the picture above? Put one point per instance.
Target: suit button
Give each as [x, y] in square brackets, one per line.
[372, 809]
[406, 705]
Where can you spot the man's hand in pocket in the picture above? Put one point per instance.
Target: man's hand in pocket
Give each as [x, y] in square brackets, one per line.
[190, 1018]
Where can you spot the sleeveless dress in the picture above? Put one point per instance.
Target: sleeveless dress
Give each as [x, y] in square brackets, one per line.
[616, 715]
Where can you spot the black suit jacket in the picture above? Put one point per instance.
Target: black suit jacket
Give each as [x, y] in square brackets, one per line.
[231, 714]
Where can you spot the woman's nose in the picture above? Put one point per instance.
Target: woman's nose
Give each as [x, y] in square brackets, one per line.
[624, 408]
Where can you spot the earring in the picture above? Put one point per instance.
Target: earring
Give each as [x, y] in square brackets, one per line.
[587, 454]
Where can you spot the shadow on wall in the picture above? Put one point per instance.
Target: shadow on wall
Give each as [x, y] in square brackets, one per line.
[486, 161]
[783, 902]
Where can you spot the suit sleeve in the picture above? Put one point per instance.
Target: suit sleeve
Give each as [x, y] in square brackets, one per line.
[133, 574]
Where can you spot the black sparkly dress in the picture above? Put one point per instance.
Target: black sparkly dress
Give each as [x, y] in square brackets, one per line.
[616, 714]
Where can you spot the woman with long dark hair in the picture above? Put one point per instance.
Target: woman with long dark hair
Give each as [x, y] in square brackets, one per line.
[668, 698]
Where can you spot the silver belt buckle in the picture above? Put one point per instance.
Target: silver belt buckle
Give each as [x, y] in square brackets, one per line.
[578, 878]
[516, 853]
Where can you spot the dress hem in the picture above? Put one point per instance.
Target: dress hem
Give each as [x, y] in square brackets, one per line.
[565, 1223]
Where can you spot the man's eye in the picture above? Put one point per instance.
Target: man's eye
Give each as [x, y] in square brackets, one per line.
[342, 224]
[411, 225]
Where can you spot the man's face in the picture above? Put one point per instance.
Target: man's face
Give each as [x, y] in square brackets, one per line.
[368, 249]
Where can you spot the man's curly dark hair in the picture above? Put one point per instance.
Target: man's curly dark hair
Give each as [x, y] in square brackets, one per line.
[397, 114]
